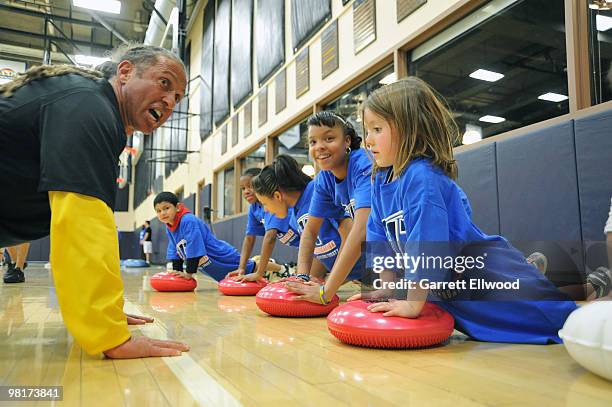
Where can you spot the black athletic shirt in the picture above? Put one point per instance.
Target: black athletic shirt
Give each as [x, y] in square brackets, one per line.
[148, 230]
[62, 133]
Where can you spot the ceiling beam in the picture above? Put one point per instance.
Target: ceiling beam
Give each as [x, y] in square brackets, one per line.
[57, 39]
[51, 16]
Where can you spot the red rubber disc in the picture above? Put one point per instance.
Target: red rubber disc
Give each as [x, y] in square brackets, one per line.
[275, 299]
[229, 286]
[352, 323]
[169, 282]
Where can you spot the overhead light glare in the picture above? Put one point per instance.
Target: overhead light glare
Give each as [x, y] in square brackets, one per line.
[603, 23]
[492, 119]
[553, 97]
[473, 134]
[107, 6]
[308, 170]
[388, 79]
[486, 75]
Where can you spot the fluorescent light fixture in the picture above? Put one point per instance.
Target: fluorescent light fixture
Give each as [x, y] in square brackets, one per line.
[473, 134]
[603, 23]
[485, 75]
[89, 60]
[553, 97]
[308, 170]
[388, 79]
[108, 6]
[492, 119]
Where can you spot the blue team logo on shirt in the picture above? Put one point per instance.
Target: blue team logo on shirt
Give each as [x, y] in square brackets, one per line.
[181, 249]
[394, 229]
[302, 224]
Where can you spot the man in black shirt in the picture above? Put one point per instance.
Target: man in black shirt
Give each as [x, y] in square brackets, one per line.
[62, 129]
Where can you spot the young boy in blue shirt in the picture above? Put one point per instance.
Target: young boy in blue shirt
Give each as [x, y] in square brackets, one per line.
[191, 242]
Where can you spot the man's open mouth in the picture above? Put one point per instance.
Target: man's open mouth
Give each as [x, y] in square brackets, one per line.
[156, 114]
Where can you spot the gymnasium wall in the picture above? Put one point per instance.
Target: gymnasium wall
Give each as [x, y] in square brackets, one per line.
[546, 189]
[389, 35]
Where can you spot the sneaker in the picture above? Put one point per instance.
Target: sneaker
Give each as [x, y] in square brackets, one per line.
[285, 272]
[14, 275]
[601, 280]
[539, 261]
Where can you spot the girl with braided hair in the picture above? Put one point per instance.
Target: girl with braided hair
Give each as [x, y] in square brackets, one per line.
[285, 191]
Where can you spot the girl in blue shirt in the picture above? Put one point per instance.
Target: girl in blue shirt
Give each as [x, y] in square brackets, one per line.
[418, 209]
[342, 186]
[285, 191]
[261, 223]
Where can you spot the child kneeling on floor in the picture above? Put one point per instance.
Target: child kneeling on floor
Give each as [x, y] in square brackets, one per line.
[190, 241]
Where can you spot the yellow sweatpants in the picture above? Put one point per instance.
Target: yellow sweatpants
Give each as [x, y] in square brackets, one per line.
[85, 265]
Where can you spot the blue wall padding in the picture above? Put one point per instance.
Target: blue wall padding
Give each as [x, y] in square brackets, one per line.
[594, 164]
[538, 197]
[478, 178]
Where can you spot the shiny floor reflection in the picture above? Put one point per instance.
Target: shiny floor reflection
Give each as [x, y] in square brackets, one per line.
[240, 356]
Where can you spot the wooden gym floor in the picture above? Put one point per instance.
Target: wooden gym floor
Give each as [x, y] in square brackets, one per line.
[240, 356]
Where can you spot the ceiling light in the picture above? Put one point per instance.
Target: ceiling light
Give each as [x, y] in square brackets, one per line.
[485, 75]
[108, 6]
[308, 170]
[492, 119]
[89, 60]
[388, 79]
[603, 23]
[553, 97]
[472, 134]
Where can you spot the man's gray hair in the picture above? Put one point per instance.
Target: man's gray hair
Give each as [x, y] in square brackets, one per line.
[142, 55]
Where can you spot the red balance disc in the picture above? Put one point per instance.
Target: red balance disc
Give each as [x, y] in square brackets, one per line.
[169, 282]
[275, 299]
[229, 286]
[354, 324]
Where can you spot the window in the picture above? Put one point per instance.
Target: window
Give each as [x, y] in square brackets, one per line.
[257, 159]
[180, 194]
[204, 191]
[294, 142]
[600, 54]
[225, 193]
[349, 104]
[501, 67]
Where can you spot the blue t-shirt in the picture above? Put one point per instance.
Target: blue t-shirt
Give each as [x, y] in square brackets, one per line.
[328, 241]
[193, 238]
[352, 193]
[424, 212]
[260, 221]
